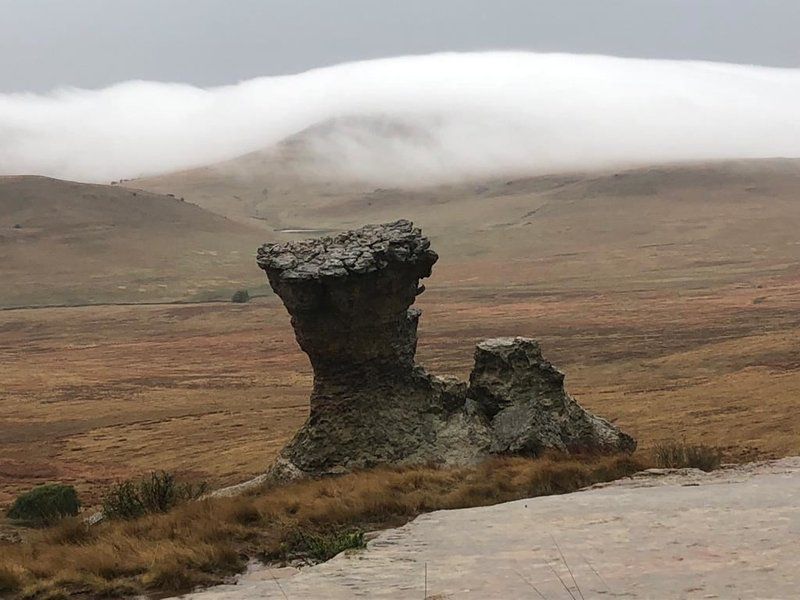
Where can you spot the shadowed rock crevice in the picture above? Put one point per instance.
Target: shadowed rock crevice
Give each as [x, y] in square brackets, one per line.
[349, 299]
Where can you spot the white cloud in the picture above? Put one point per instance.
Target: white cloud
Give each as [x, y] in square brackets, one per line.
[462, 115]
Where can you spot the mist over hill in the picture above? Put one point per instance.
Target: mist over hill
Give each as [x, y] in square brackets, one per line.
[421, 119]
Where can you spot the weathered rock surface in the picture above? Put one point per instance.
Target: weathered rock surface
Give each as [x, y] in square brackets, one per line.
[675, 534]
[349, 298]
[523, 397]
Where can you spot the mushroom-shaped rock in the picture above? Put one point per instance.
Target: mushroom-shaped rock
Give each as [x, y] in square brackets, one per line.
[349, 295]
[349, 298]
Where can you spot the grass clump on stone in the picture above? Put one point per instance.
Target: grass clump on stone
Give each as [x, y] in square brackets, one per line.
[323, 546]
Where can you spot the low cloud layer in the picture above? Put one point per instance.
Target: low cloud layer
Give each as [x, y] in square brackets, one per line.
[437, 118]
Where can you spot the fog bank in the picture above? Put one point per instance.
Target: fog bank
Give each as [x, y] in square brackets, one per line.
[450, 116]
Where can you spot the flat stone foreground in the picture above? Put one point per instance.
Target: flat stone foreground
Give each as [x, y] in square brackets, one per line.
[680, 534]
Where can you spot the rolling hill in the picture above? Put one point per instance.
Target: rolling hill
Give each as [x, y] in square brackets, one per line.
[679, 225]
[71, 243]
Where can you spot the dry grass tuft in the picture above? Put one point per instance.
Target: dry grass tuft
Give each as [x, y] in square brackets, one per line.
[201, 543]
[70, 531]
[680, 455]
[11, 577]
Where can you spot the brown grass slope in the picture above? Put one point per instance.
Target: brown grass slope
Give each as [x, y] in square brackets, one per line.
[663, 226]
[63, 242]
[668, 295]
[202, 542]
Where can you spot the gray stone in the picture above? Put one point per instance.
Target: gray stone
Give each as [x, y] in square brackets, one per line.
[349, 299]
[679, 534]
[523, 397]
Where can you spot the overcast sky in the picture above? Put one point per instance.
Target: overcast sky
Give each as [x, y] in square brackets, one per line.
[92, 43]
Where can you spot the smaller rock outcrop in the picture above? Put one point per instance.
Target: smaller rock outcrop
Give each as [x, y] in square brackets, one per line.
[349, 298]
[522, 397]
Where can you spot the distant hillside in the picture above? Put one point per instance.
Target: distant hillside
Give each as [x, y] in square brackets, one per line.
[71, 243]
[682, 224]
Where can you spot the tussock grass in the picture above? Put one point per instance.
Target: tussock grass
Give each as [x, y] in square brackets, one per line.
[680, 455]
[324, 546]
[70, 531]
[202, 542]
[11, 577]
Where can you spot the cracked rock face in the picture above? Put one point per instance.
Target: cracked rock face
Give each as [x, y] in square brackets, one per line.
[523, 398]
[349, 295]
[349, 298]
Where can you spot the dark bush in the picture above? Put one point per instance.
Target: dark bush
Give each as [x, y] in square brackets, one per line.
[122, 501]
[10, 580]
[241, 297]
[158, 492]
[45, 504]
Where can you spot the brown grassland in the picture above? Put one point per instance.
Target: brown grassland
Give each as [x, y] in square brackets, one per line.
[202, 542]
[93, 395]
[668, 296]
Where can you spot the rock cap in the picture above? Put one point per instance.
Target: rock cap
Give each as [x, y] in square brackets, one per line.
[507, 343]
[368, 249]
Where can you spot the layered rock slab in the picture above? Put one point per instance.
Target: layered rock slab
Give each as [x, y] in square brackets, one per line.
[349, 298]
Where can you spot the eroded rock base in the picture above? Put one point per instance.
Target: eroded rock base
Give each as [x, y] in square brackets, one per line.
[522, 398]
[410, 418]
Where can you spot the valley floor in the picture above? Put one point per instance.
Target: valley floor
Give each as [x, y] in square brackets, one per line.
[668, 295]
[91, 395]
[683, 535]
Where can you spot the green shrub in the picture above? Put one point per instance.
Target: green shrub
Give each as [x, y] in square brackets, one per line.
[45, 504]
[122, 501]
[680, 455]
[324, 546]
[241, 297]
[157, 492]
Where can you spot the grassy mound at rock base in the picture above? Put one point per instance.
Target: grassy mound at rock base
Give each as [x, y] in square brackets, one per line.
[200, 543]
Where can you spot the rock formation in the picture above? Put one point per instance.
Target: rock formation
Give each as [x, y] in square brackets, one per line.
[522, 398]
[349, 299]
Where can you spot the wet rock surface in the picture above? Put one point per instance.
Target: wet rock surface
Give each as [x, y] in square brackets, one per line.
[349, 297]
[662, 534]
